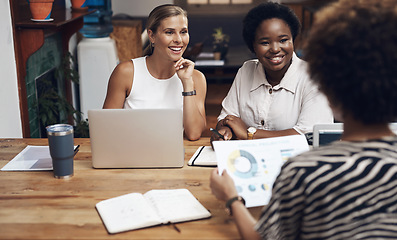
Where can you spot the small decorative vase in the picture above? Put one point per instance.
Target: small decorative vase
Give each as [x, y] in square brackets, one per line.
[220, 50]
[41, 9]
[79, 5]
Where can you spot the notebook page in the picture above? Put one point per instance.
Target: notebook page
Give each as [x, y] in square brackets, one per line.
[127, 212]
[176, 205]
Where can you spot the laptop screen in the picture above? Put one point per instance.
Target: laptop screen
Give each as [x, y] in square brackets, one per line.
[328, 136]
[326, 133]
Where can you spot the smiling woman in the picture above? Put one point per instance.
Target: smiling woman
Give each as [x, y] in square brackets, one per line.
[162, 78]
[272, 95]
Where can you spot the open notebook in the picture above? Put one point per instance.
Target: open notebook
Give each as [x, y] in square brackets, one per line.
[135, 210]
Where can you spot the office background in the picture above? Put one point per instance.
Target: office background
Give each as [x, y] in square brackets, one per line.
[10, 120]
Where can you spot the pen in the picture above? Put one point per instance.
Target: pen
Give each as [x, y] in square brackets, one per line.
[76, 150]
[174, 226]
[217, 133]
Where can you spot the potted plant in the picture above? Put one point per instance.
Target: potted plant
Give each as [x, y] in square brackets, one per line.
[220, 43]
[53, 106]
[41, 9]
[79, 5]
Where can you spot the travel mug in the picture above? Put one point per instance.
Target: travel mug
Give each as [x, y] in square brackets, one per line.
[61, 144]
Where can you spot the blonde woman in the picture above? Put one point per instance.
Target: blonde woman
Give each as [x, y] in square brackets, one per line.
[162, 78]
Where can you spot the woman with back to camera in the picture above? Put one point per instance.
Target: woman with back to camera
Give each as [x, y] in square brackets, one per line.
[162, 78]
[272, 95]
[348, 189]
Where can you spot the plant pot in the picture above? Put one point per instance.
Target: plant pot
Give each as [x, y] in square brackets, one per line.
[41, 9]
[220, 50]
[217, 56]
[79, 5]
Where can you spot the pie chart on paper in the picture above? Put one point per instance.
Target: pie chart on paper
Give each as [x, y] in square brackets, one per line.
[242, 164]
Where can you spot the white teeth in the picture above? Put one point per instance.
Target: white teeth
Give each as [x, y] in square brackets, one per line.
[277, 58]
[175, 49]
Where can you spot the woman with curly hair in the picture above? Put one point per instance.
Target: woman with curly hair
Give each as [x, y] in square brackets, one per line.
[272, 95]
[348, 189]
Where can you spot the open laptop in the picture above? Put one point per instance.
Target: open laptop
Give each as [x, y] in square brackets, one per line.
[140, 138]
[326, 133]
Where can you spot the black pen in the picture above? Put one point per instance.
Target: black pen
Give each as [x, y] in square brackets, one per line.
[217, 133]
[174, 226]
[76, 150]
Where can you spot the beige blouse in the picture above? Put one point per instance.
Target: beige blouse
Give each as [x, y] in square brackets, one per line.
[294, 103]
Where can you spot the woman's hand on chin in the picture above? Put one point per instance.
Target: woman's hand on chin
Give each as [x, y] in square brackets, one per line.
[184, 68]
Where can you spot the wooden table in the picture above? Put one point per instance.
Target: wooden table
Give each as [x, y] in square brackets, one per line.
[35, 205]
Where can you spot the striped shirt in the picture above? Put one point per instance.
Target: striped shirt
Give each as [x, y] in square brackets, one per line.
[346, 190]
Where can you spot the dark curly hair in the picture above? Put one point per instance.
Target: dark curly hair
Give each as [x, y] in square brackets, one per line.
[352, 55]
[266, 11]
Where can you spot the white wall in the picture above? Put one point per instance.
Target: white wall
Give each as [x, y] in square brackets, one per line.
[10, 119]
[136, 8]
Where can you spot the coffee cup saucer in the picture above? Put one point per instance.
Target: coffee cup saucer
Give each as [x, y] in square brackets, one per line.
[42, 20]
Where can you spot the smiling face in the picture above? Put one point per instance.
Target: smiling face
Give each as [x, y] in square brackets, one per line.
[274, 45]
[171, 38]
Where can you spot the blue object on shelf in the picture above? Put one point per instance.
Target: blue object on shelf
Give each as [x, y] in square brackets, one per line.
[99, 23]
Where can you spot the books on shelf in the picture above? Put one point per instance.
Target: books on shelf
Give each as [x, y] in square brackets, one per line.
[207, 59]
[135, 210]
[209, 62]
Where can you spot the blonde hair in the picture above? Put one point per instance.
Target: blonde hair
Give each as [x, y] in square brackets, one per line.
[156, 16]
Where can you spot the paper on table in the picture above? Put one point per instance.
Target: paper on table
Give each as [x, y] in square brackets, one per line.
[31, 158]
[255, 164]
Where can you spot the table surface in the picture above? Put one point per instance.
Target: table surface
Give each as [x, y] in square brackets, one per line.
[35, 205]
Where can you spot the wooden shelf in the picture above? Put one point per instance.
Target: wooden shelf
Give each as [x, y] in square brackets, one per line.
[29, 37]
[61, 18]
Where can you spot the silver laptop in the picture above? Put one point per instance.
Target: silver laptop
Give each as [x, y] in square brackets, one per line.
[326, 133]
[144, 138]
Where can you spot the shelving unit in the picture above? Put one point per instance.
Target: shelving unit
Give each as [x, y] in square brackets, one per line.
[29, 37]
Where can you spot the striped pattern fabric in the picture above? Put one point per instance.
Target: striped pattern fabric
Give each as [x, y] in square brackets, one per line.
[346, 190]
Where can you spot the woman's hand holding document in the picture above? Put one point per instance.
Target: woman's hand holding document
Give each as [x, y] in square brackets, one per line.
[255, 164]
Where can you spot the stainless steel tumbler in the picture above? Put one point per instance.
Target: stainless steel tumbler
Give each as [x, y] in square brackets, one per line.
[61, 144]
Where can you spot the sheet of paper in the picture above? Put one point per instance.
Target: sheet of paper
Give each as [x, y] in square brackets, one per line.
[32, 158]
[204, 156]
[255, 164]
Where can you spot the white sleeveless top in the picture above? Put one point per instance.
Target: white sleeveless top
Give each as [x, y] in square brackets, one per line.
[149, 92]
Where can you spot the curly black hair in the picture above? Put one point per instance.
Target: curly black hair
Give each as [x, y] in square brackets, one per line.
[352, 55]
[266, 11]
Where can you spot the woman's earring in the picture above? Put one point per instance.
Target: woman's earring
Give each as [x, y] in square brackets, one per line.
[152, 44]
